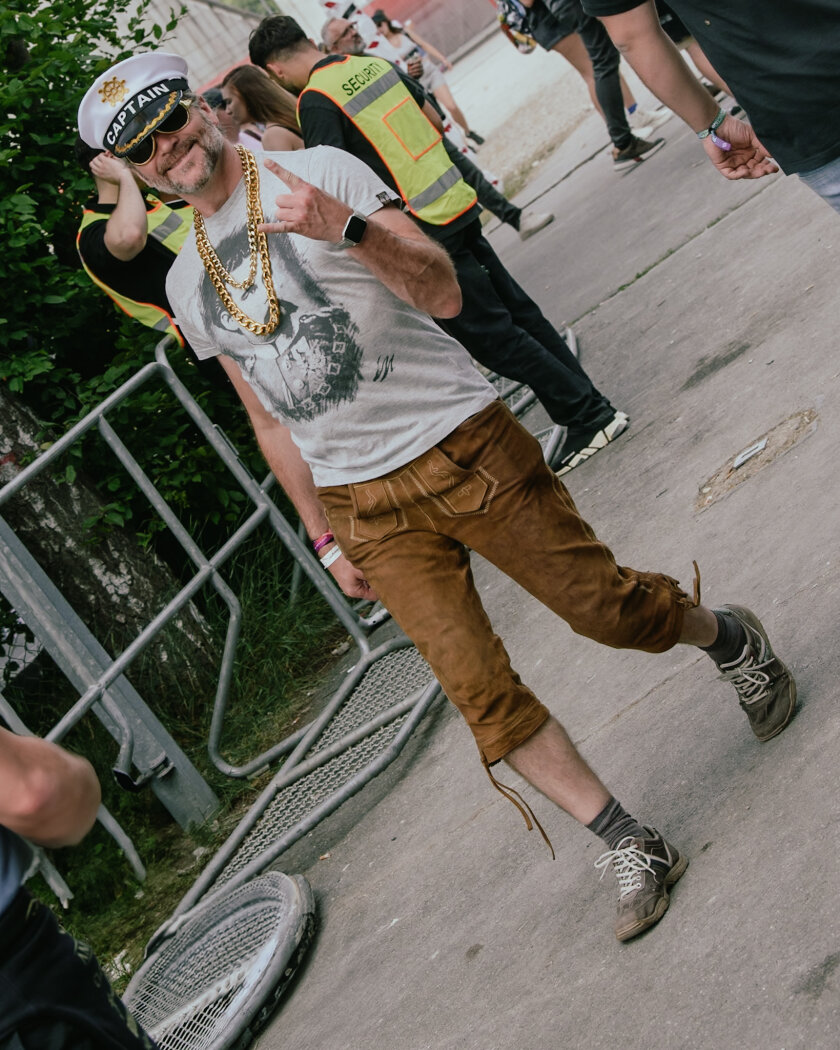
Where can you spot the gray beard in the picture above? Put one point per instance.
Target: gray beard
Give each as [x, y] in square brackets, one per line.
[213, 143]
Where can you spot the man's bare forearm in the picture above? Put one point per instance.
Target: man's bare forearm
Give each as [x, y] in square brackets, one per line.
[47, 794]
[416, 269]
[393, 248]
[641, 41]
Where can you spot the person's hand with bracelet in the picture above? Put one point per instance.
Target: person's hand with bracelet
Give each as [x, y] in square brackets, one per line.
[350, 579]
[734, 149]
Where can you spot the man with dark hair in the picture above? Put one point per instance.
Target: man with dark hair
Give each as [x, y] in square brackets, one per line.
[340, 37]
[368, 108]
[780, 60]
[53, 994]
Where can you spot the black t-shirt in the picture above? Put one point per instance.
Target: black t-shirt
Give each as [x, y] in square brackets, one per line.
[781, 58]
[142, 278]
[323, 123]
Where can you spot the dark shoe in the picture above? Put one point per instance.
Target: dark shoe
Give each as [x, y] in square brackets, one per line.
[646, 869]
[477, 139]
[637, 151]
[765, 687]
[578, 450]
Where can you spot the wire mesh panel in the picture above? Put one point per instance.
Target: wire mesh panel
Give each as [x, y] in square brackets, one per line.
[215, 983]
[359, 734]
[396, 675]
[293, 803]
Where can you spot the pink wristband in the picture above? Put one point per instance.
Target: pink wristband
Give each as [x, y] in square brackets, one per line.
[322, 541]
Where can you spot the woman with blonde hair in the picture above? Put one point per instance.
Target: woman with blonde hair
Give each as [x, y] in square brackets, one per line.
[254, 100]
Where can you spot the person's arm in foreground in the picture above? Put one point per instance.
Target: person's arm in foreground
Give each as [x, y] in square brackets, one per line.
[393, 249]
[293, 473]
[126, 229]
[641, 40]
[47, 794]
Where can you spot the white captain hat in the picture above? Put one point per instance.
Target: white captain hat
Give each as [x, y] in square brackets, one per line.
[127, 102]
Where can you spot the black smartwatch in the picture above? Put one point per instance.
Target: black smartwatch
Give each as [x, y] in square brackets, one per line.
[354, 230]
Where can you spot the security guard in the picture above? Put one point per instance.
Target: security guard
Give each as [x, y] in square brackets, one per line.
[128, 240]
[365, 106]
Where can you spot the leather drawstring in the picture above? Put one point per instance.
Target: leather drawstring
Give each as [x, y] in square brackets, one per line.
[696, 584]
[521, 805]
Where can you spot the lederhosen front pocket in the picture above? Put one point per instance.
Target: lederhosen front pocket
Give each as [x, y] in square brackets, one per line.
[374, 514]
[456, 490]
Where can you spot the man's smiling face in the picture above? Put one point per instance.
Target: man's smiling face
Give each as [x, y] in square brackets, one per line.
[184, 162]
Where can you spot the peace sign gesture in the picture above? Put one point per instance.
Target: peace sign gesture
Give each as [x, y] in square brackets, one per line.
[305, 209]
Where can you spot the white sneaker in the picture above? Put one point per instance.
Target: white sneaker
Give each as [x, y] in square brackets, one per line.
[532, 222]
[647, 118]
[592, 443]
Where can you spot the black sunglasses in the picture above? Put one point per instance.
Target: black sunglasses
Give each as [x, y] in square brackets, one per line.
[177, 120]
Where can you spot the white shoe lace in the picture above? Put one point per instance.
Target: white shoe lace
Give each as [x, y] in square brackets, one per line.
[629, 863]
[750, 679]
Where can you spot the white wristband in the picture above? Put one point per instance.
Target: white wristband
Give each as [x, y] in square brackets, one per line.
[331, 556]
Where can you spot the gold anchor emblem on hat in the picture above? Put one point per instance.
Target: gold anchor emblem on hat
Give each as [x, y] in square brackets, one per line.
[113, 91]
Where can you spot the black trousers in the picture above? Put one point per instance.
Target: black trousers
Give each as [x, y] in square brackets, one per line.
[53, 994]
[488, 196]
[505, 330]
[553, 20]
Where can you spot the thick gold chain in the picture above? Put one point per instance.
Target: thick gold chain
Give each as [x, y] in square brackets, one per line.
[258, 246]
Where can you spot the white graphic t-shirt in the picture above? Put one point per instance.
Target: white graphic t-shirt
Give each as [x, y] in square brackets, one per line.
[364, 382]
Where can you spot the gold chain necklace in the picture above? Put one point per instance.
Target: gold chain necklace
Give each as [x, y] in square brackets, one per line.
[258, 247]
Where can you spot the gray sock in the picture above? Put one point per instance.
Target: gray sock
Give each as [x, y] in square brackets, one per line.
[731, 640]
[614, 823]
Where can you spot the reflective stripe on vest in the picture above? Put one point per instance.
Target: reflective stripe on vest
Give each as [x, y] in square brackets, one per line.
[370, 92]
[169, 233]
[168, 225]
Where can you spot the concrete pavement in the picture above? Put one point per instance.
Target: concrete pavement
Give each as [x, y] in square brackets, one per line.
[708, 311]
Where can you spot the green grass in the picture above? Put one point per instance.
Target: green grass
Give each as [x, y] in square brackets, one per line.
[281, 658]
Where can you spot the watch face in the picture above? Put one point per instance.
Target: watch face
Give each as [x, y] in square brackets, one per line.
[355, 228]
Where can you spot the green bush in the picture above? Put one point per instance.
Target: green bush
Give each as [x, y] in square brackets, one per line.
[63, 344]
[63, 348]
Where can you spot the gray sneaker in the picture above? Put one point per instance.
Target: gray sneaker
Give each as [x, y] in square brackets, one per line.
[635, 152]
[532, 222]
[765, 687]
[646, 869]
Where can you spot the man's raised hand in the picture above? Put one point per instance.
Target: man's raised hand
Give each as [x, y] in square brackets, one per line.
[305, 209]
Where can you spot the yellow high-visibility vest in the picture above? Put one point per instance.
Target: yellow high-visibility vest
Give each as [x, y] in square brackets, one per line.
[371, 94]
[170, 227]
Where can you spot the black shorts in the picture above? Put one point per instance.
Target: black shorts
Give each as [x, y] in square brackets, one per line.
[554, 20]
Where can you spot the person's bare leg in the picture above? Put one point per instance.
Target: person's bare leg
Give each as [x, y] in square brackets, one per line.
[551, 763]
[627, 95]
[700, 627]
[572, 49]
[445, 97]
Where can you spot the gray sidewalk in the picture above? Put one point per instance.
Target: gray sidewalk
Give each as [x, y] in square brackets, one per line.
[708, 311]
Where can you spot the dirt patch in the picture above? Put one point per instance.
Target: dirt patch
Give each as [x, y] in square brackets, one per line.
[515, 150]
[756, 456]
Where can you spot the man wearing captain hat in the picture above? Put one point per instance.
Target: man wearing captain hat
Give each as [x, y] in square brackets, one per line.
[397, 453]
